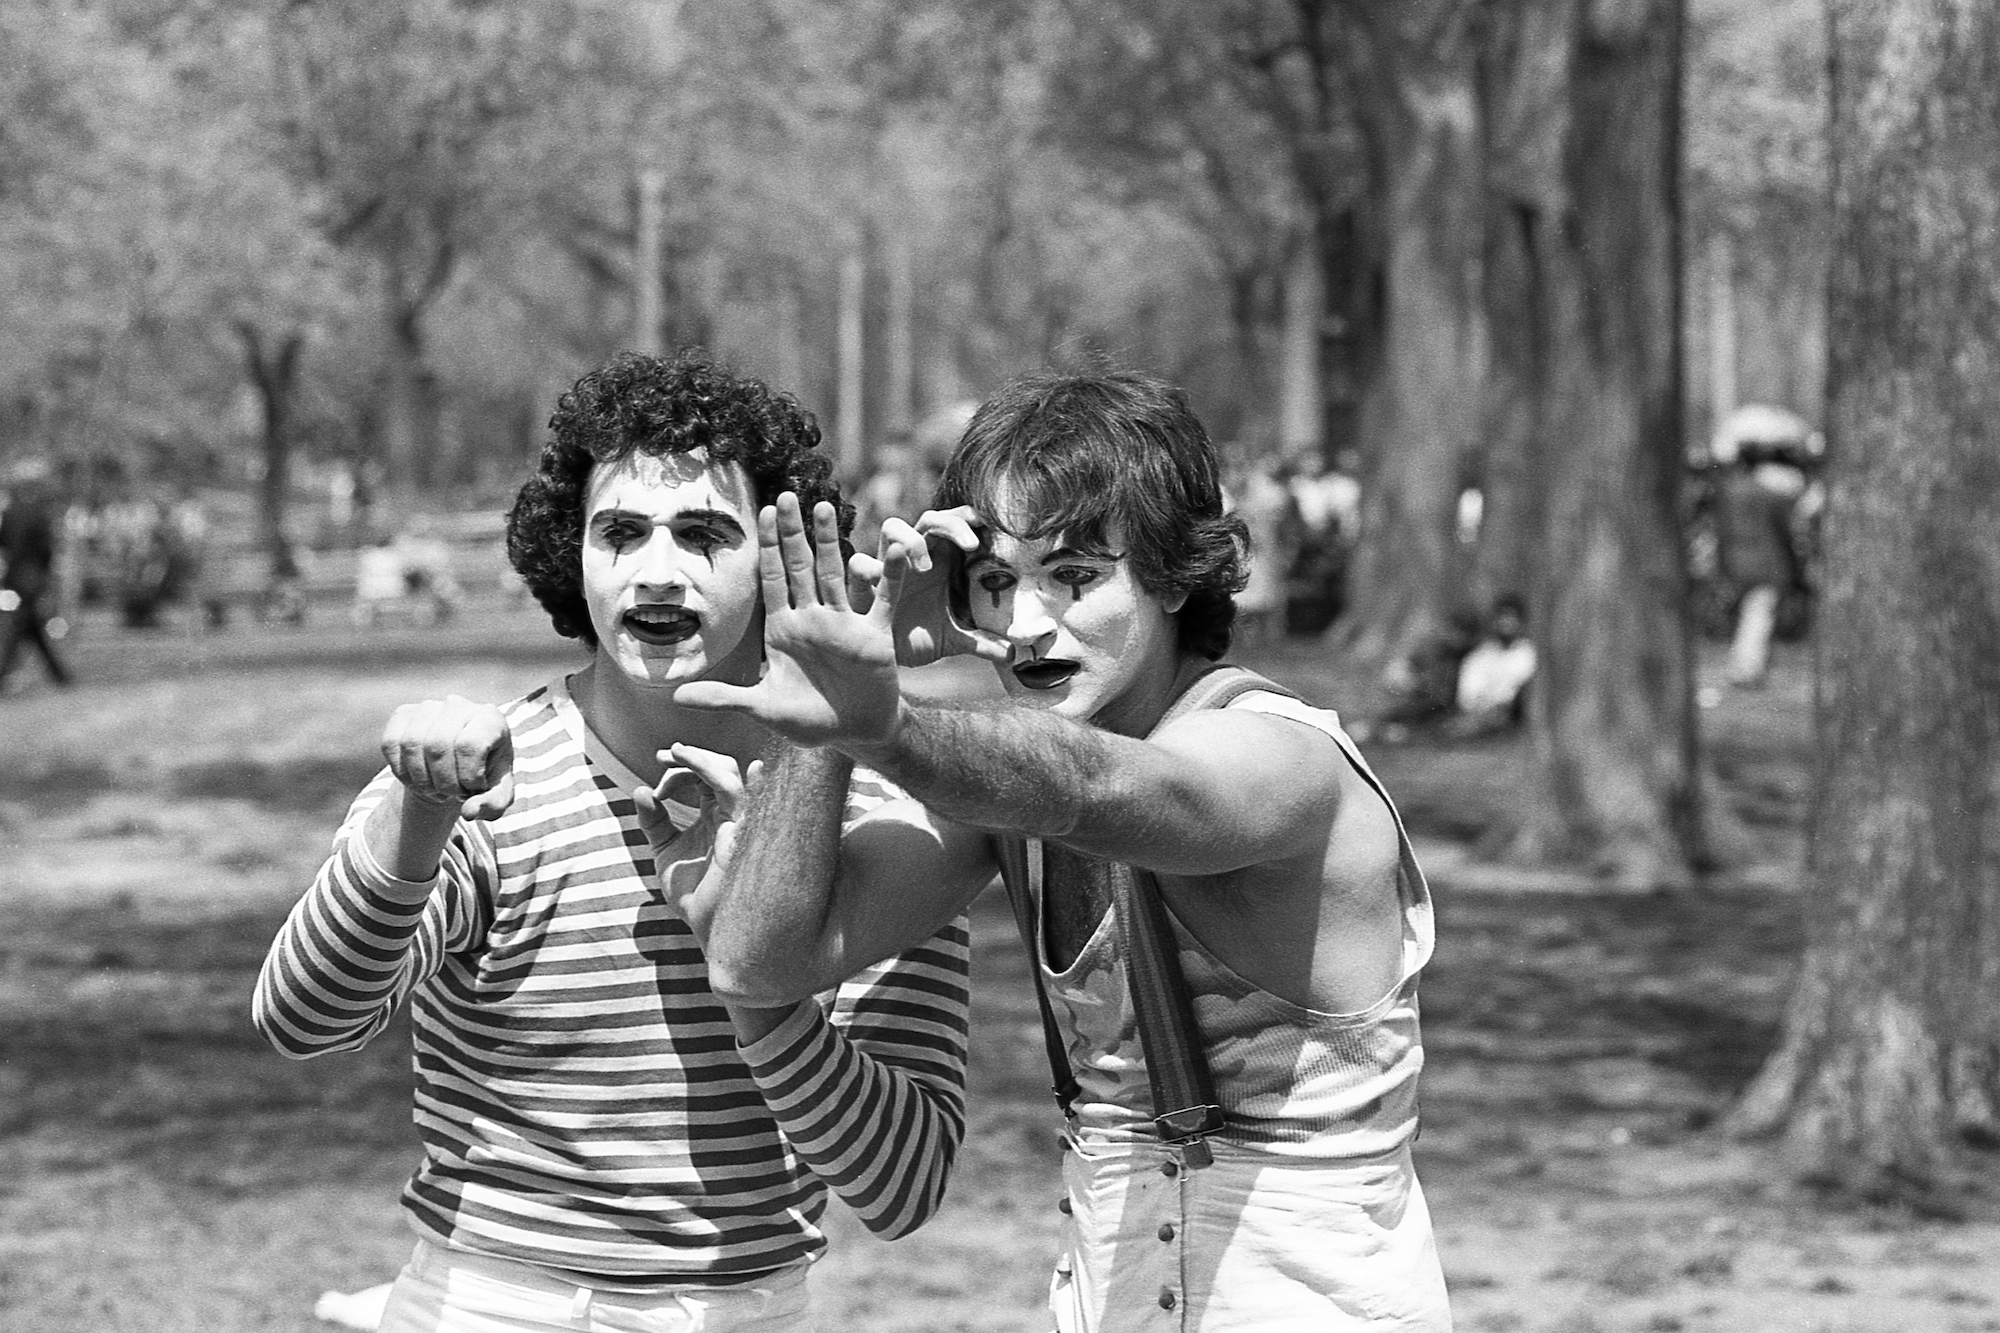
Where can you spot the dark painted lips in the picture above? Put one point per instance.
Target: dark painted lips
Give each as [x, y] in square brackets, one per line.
[1046, 674]
[662, 625]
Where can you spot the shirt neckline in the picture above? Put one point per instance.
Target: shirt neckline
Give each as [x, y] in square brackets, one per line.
[600, 755]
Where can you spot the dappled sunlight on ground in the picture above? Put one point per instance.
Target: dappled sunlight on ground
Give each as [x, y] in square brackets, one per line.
[161, 1169]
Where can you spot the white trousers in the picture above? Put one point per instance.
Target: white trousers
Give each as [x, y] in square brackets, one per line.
[447, 1291]
[1251, 1242]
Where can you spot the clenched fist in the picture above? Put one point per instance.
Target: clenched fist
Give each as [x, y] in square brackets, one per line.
[453, 751]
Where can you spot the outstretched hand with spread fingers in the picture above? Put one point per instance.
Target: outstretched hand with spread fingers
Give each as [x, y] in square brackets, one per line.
[690, 860]
[929, 624]
[829, 670]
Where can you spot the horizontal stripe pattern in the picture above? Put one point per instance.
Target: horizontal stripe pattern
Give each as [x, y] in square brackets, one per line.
[581, 1096]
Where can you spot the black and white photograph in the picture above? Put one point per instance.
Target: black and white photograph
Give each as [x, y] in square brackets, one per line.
[1000, 666]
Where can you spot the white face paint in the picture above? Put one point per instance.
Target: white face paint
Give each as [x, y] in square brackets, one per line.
[1089, 642]
[670, 569]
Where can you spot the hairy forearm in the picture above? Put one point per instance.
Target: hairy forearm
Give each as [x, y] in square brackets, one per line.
[1001, 767]
[771, 910]
[406, 834]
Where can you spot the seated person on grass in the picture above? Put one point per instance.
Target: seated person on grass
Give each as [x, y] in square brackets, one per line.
[1082, 538]
[606, 1142]
[1492, 693]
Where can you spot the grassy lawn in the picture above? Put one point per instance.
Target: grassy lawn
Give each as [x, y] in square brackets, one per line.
[162, 1170]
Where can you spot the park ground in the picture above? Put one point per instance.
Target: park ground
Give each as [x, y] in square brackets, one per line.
[162, 1170]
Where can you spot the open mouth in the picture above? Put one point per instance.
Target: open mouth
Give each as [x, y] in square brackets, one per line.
[661, 624]
[1047, 673]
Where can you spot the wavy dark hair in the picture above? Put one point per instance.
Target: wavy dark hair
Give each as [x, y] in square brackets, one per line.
[1082, 454]
[653, 405]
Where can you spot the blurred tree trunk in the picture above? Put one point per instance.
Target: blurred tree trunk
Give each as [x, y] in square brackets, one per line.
[1301, 61]
[1411, 70]
[850, 441]
[1301, 378]
[1524, 52]
[409, 406]
[399, 408]
[1503, 466]
[788, 356]
[1887, 1078]
[1613, 780]
[899, 338]
[646, 256]
[275, 373]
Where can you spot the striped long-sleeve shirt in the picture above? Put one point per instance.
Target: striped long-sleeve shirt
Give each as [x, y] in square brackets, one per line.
[582, 1099]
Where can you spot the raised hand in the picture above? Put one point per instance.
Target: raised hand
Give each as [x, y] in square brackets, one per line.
[829, 670]
[929, 621]
[690, 860]
[452, 752]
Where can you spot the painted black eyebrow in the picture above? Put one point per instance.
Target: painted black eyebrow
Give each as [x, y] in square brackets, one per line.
[1060, 553]
[721, 517]
[1071, 552]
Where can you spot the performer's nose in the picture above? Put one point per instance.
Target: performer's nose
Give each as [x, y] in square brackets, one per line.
[660, 566]
[1031, 622]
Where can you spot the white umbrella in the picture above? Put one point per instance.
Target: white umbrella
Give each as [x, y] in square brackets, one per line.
[1760, 423]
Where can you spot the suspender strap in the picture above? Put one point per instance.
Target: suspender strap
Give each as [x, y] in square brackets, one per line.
[1186, 1108]
[1021, 872]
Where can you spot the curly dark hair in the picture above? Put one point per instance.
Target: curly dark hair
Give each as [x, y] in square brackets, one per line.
[638, 404]
[1081, 453]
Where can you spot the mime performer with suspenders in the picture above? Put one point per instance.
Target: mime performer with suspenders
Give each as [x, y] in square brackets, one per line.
[1225, 917]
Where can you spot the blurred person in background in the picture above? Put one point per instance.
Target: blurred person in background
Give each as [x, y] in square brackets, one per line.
[1264, 502]
[186, 535]
[1328, 505]
[378, 580]
[1492, 687]
[1759, 501]
[608, 1144]
[409, 570]
[31, 522]
[428, 578]
[1329, 498]
[1081, 547]
[885, 490]
[1420, 689]
[135, 560]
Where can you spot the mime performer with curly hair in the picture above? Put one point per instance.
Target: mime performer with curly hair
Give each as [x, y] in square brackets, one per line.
[1182, 835]
[608, 1144]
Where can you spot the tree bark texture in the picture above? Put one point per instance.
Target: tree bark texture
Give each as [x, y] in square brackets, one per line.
[1613, 776]
[1301, 380]
[1412, 71]
[850, 439]
[1524, 114]
[275, 373]
[1886, 1079]
[402, 363]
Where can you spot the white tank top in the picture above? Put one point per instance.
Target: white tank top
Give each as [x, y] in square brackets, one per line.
[1293, 1081]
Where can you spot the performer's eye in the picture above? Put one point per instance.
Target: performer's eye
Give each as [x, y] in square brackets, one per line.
[1075, 577]
[619, 534]
[705, 538]
[994, 583]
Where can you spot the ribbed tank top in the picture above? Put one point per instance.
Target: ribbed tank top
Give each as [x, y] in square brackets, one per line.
[1293, 1081]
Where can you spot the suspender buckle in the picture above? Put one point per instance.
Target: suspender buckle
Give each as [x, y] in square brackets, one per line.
[1188, 1129]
